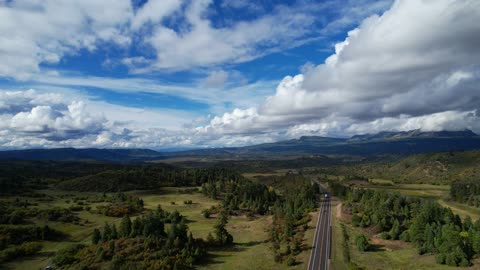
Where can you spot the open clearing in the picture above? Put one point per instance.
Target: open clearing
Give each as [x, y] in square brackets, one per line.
[251, 251]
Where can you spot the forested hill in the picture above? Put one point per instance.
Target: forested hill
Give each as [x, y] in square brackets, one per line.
[383, 143]
[87, 154]
[440, 167]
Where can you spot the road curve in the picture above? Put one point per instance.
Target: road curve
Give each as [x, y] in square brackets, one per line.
[320, 255]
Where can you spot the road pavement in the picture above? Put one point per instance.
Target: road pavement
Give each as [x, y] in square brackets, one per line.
[320, 255]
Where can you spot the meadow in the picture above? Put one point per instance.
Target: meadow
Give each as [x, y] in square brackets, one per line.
[251, 250]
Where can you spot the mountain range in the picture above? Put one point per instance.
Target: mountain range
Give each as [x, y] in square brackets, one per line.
[383, 143]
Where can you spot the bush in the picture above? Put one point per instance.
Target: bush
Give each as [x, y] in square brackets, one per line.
[291, 261]
[206, 213]
[356, 219]
[67, 255]
[362, 242]
[26, 249]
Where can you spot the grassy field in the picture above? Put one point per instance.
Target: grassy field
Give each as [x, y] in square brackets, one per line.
[392, 254]
[251, 251]
[386, 255]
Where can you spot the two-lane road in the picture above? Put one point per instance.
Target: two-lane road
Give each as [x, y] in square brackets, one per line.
[320, 255]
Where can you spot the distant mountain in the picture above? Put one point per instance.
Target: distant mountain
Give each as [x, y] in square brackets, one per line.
[383, 143]
[413, 134]
[88, 154]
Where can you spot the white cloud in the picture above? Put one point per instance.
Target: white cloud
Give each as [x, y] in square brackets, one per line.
[392, 72]
[154, 11]
[36, 32]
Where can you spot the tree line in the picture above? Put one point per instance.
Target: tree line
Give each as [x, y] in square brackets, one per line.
[433, 229]
[142, 243]
[466, 191]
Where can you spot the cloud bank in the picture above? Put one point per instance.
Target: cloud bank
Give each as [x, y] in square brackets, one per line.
[415, 66]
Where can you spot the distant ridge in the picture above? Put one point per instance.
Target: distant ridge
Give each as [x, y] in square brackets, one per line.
[416, 133]
[86, 154]
[383, 143]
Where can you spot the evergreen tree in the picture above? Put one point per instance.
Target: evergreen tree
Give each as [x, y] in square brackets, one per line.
[107, 232]
[362, 242]
[395, 231]
[114, 234]
[125, 227]
[222, 236]
[96, 236]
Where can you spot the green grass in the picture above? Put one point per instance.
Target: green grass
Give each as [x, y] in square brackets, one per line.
[462, 209]
[379, 181]
[388, 255]
[251, 250]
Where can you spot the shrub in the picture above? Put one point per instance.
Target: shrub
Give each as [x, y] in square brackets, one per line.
[290, 260]
[362, 242]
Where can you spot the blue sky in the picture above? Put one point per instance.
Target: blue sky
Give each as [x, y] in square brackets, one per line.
[188, 74]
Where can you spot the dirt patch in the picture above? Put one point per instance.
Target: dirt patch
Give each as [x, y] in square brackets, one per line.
[339, 211]
[389, 245]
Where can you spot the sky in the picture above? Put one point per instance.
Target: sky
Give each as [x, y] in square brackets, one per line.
[183, 74]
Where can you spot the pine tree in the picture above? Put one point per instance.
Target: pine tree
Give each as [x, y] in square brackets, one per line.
[395, 231]
[114, 234]
[107, 232]
[96, 236]
[125, 227]
[221, 234]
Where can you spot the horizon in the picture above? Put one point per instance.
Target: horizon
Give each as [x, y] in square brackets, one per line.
[193, 75]
[182, 149]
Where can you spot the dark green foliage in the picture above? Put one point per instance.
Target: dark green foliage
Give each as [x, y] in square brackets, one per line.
[466, 192]
[240, 194]
[121, 205]
[23, 250]
[58, 214]
[18, 234]
[125, 227]
[67, 256]
[290, 214]
[291, 260]
[147, 245]
[432, 228]
[362, 242]
[145, 177]
[96, 236]
[222, 236]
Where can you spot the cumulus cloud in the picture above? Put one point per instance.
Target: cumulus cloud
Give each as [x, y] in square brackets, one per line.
[391, 72]
[36, 32]
[47, 119]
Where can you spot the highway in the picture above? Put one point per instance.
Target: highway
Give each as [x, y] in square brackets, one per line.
[320, 255]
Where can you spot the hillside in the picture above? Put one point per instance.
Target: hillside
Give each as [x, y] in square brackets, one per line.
[383, 143]
[442, 167]
[87, 154]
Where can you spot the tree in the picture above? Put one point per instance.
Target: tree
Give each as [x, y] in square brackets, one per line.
[362, 242]
[107, 232]
[222, 236]
[96, 236]
[395, 231]
[137, 229]
[125, 227]
[114, 234]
